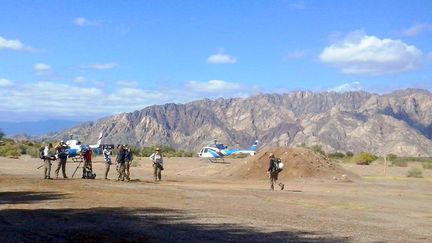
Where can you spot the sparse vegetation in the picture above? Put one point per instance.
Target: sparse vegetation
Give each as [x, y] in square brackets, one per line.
[427, 165]
[336, 155]
[415, 172]
[392, 157]
[317, 148]
[349, 154]
[363, 158]
[399, 163]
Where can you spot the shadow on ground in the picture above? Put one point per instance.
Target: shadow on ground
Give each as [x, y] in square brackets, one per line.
[28, 197]
[132, 225]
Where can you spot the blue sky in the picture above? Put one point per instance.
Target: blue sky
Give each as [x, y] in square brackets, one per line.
[83, 60]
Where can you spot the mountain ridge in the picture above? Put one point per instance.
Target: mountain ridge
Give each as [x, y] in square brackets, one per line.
[399, 122]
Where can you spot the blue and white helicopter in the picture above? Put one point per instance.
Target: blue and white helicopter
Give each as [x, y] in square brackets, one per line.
[217, 151]
[75, 148]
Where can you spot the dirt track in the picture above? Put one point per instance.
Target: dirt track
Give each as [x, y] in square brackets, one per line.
[201, 202]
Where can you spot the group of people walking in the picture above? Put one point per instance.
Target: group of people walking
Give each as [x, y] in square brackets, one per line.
[123, 161]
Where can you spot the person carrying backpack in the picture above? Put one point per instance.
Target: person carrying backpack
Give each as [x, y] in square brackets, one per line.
[274, 170]
[62, 155]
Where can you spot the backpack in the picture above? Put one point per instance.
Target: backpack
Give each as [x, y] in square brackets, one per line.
[41, 153]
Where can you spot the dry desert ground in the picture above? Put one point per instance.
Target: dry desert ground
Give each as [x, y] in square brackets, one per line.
[198, 201]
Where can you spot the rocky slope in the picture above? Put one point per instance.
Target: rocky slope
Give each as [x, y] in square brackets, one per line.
[399, 122]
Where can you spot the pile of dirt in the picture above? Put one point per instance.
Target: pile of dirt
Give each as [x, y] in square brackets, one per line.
[298, 163]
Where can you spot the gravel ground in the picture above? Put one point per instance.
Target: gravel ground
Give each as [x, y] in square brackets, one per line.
[200, 202]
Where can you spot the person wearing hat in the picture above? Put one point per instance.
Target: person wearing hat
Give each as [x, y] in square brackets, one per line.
[47, 157]
[62, 155]
[120, 159]
[274, 170]
[157, 159]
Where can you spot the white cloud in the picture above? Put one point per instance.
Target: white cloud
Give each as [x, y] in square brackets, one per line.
[46, 100]
[15, 45]
[127, 83]
[296, 55]
[221, 58]
[42, 68]
[417, 29]
[5, 82]
[363, 54]
[354, 86]
[80, 80]
[81, 21]
[212, 86]
[57, 99]
[100, 66]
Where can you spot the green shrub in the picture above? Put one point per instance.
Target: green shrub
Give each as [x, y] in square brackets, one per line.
[415, 172]
[9, 150]
[427, 165]
[336, 155]
[363, 158]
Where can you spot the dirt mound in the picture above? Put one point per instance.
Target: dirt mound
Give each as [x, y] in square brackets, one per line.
[298, 163]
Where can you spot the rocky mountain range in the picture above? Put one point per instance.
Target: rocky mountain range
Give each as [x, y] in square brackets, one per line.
[399, 122]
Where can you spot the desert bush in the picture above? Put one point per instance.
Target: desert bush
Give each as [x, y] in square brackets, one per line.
[349, 154]
[22, 149]
[392, 157]
[317, 149]
[415, 172]
[400, 163]
[427, 165]
[9, 150]
[363, 158]
[336, 155]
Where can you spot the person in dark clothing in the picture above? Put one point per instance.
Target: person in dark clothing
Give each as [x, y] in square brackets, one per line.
[274, 170]
[120, 160]
[128, 161]
[62, 155]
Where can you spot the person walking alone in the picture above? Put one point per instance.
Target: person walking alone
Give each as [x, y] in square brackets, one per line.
[274, 170]
[158, 163]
